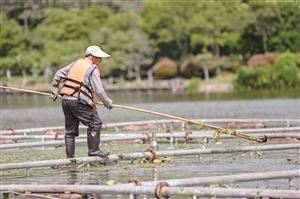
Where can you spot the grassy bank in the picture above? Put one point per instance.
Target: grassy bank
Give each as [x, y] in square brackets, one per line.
[222, 83]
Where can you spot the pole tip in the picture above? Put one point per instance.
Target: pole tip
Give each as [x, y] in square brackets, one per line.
[264, 139]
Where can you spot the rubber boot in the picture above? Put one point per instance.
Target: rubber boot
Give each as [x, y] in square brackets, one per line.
[70, 146]
[93, 139]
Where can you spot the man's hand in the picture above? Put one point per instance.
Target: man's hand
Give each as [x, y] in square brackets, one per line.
[54, 93]
[108, 103]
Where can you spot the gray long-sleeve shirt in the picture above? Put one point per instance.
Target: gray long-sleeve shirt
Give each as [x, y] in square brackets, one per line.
[95, 83]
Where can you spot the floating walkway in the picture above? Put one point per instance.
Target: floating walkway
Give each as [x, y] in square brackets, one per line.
[228, 179]
[150, 155]
[269, 132]
[290, 132]
[236, 124]
[174, 187]
[192, 187]
[162, 191]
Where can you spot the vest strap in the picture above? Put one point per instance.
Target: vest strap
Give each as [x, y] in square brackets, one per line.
[77, 89]
[78, 82]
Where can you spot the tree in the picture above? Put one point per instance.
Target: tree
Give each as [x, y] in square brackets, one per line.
[219, 23]
[285, 36]
[167, 22]
[275, 27]
[12, 42]
[263, 24]
[128, 44]
[60, 38]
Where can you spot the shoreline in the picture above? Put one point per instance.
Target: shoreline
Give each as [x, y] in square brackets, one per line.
[212, 87]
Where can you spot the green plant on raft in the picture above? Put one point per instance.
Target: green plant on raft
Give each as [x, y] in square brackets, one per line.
[200, 127]
[217, 135]
[230, 132]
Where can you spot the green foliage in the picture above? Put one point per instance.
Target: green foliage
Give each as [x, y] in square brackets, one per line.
[12, 42]
[95, 16]
[286, 40]
[283, 74]
[125, 22]
[285, 71]
[217, 135]
[36, 35]
[167, 22]
[254, 78]
[275, 27]
[30, 59]
[231, 63]
[63, 35]
[218, 23]
[60, 24]
[287, 60]
[286, 36]
[200, 127]
[129, 45]
[7, 62]
[194, 85]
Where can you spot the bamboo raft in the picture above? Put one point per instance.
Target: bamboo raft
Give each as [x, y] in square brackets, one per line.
[164, 189]
[228, 179]
[176, 187]
[273, 133]
[159, 191]
[149, 155]
[164, 123]
[143, 137]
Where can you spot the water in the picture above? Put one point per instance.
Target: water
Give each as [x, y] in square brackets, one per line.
[27, 111]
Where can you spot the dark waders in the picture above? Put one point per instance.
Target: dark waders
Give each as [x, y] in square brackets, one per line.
[76, 112]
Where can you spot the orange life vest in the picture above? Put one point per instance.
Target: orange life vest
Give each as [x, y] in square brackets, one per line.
[77, 83]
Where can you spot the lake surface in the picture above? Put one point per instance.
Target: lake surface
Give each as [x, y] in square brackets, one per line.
[26, 111]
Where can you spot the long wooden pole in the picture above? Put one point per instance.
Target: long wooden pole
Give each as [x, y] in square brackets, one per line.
[219, 129]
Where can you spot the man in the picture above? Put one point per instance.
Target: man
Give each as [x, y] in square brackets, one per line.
[81, 84]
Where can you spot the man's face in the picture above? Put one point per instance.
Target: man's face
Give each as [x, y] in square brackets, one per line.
[96, 60]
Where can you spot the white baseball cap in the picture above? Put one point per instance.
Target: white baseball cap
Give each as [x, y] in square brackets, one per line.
[96, 51]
